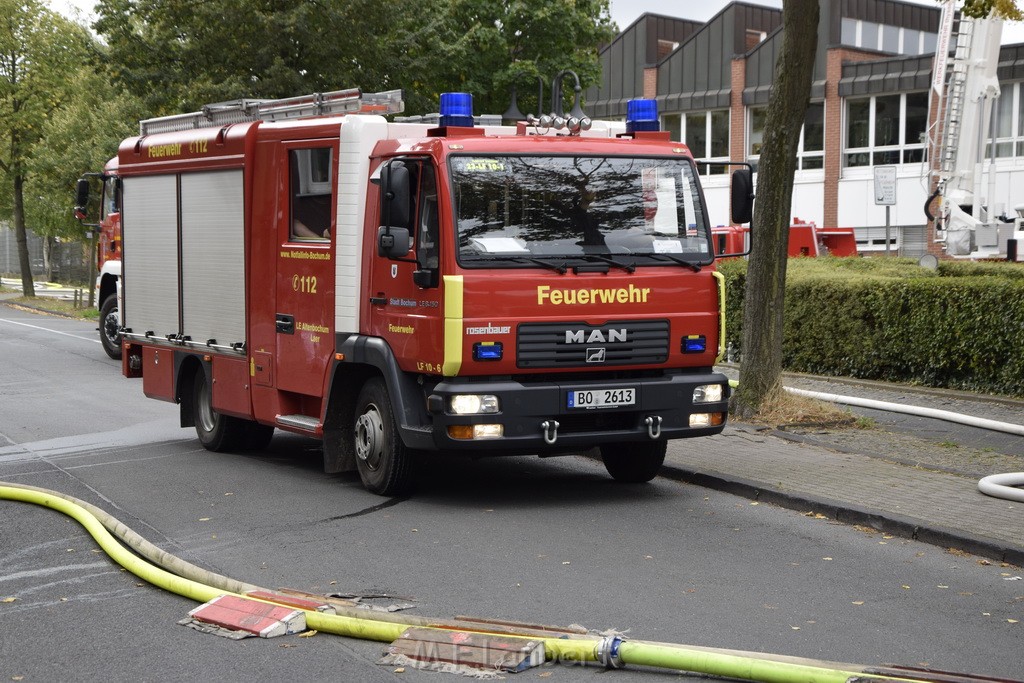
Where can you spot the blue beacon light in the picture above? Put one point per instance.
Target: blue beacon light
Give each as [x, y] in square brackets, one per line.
[642, 115]
[456, 109]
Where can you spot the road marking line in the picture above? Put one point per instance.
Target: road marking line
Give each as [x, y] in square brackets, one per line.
[46, 329]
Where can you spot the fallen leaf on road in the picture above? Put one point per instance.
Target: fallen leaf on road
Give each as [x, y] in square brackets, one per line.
[1013, 621]
[858, 602]
[8, 600]
[204, 519]
[308, 634]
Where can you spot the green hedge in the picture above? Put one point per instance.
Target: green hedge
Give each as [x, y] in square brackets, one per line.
[961, 326]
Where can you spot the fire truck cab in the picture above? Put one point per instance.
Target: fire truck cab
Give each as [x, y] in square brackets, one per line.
[396, 289]
[108, 252]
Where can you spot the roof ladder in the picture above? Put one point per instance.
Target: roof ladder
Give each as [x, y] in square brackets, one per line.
[351, 101]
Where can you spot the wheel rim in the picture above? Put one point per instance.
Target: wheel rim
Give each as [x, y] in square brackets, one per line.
[370, 438]
[204, 409]
[110, 325]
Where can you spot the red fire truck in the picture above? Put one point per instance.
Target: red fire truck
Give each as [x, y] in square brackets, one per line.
[108, 253]
[397, 289]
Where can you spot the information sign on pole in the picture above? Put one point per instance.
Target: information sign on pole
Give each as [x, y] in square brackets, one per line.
[885, 185]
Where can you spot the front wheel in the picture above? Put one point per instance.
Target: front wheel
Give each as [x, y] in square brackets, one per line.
[634, 463]
[110, 324]
[385, 464]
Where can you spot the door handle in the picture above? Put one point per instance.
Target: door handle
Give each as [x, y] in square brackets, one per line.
[285, 324]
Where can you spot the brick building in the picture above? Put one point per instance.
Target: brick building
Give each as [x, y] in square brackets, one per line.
[871, 105]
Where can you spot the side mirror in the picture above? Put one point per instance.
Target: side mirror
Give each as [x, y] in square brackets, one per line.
[81, 198]
[393, 242]
[394, 195]
[742, 196]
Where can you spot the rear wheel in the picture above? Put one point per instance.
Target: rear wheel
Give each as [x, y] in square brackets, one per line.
[385, 464]
[216, 432]
[110, 324]
[634, 463]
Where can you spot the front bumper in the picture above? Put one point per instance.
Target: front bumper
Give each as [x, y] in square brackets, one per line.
[535, 416]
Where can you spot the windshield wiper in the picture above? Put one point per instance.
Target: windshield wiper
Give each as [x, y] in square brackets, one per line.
[559, 268]
[628, 267]
[695, 267]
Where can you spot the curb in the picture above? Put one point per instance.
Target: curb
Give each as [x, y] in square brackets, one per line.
[896, 525]
[34, 309]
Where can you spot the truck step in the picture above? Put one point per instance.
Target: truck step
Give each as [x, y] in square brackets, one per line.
[304, 422]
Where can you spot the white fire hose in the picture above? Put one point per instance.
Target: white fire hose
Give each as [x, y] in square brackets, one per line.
[996, 485]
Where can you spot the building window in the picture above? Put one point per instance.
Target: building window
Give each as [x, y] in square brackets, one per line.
[706, 133]
[672, 123]
[811, 150]
[811, 154]
[1020, 119]
[886, 129]
[885, 37]
[755, 139]
[1008, 133]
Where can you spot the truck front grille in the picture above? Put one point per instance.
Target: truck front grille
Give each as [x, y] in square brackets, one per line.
[578, 345]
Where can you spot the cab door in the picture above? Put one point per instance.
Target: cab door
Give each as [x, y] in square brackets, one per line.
[406, 303]
[304, 310]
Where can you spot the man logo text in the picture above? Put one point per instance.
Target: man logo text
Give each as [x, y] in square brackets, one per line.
[595, 336]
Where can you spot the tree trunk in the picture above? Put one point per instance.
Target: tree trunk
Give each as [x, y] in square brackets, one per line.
[27, 286]
[47, 258]
[764, 297]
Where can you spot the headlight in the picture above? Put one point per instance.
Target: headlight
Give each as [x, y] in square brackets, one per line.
[707, 393]
[473, 404]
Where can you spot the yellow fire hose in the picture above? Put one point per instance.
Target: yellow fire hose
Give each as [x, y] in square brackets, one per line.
[613, 652]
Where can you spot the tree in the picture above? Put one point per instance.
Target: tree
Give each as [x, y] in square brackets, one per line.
[78, 138]
[1005, 9]
[38, 50]
[175, 55]
[764, 296]
[484, 47]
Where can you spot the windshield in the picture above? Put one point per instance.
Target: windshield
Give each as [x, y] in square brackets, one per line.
[521, 208]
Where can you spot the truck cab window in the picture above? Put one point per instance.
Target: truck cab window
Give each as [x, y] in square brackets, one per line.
[310, 177]
[427, 225]
[111, 196]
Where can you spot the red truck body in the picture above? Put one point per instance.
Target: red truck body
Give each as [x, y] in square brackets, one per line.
[491, 329]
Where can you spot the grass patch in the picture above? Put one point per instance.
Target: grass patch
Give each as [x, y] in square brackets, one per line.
[56, 306]
[783, 409]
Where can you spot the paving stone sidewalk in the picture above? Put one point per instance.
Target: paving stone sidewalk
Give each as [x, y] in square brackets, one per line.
[934, 506]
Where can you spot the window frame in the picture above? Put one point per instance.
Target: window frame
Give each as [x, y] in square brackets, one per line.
[874, 154]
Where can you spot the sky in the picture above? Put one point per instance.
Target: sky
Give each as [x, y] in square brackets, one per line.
[625, 12]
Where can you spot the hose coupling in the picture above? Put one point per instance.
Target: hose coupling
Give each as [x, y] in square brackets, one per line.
[607, 652]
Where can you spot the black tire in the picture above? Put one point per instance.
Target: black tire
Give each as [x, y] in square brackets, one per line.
[385, 464]
[634, 463]
[110, 324]
[218, 433]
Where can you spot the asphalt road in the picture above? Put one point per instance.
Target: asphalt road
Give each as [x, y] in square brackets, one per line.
[545, 541]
